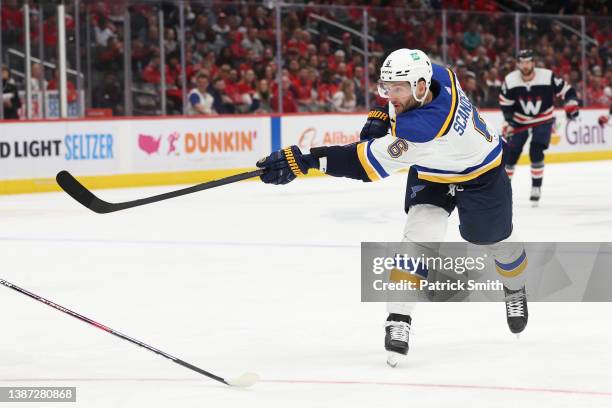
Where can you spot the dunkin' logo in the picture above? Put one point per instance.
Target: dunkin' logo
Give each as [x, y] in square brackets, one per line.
[151, 144]
[148, 143]
[220, 142]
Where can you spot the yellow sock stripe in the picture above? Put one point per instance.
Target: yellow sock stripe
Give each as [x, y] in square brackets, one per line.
[361, 154]
[398, 275]
[514, 272]
[291, 160]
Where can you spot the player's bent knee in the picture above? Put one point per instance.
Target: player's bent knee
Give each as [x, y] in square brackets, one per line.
[536, 152]
[425, 223]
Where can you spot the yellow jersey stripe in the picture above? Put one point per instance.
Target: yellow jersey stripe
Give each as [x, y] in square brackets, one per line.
[461, 178]
[363, 159]
[453, 108]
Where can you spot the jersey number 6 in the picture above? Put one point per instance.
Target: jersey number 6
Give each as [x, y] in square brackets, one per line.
[398, 147]
[481, 126]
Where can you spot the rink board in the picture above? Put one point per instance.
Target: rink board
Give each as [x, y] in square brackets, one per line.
[161, 151]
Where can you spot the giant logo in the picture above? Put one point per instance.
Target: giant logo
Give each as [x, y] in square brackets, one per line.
[578, 132]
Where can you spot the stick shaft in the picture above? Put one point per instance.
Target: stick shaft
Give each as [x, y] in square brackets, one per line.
[111, 331]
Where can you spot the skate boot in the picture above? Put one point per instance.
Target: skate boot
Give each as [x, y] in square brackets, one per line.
[397, 328]
[516, 309]
[536, 192]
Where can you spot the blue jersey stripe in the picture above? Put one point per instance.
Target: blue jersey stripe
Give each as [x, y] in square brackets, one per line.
[375, 163]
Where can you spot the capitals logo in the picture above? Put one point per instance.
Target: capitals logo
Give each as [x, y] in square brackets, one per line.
[529, 107]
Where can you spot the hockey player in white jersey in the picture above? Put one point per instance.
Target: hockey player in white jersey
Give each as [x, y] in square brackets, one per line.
[527, 101]
[454, 160]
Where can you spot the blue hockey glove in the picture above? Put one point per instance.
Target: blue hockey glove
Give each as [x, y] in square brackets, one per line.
[283, 166]
[377, 124]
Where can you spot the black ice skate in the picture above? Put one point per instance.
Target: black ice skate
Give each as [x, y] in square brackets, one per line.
[397, 328]
[516, 309]
[536, 192]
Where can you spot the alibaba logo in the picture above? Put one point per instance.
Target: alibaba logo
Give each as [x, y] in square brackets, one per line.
[308, 138]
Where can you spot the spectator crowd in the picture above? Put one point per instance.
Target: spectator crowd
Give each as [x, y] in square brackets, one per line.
[230, 51]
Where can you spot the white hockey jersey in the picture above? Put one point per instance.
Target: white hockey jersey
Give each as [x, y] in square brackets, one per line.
[446, 140]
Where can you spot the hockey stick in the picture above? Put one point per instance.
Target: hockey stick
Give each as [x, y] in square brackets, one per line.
[80, 193]
[245, 380]
[527, 127]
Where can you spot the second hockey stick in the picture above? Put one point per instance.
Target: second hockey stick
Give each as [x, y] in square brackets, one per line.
[245, 380]
[88, 199]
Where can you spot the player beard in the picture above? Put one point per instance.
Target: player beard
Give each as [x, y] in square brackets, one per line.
[527, 72]
[403, 107]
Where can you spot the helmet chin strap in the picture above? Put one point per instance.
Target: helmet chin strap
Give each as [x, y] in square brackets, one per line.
[420, 101]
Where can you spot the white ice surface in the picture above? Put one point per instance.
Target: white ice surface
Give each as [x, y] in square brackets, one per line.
[260, 278]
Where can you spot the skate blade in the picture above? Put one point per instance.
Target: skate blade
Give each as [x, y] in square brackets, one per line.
[394, 358]
[535, 204]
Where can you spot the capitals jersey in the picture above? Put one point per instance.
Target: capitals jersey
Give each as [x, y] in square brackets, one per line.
[446, 140]
[532, 103]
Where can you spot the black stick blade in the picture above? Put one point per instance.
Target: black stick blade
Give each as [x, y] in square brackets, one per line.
[81, 194]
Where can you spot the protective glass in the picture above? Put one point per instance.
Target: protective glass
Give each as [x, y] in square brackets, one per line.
[388, 89]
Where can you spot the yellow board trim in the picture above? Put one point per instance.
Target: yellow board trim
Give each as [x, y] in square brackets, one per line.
[458, 179]
[361, 154]
[449, 117]
[398, 275]
[41, 185]
[565, 157]
[514, 272]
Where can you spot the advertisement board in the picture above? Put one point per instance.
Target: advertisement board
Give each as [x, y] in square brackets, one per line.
[580, 139]
[39, 150]
[308, 131]
[572, 138]
[204, 144]
[151, 151]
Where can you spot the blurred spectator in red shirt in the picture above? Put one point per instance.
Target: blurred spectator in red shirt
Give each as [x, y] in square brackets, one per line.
[152, 73]
[304, 92]
[54, 85]
[289, 103]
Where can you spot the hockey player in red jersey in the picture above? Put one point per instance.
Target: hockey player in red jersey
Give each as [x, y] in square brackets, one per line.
[527, 102]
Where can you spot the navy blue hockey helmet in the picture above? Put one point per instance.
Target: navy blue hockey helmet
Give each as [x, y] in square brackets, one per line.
[526, 55]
